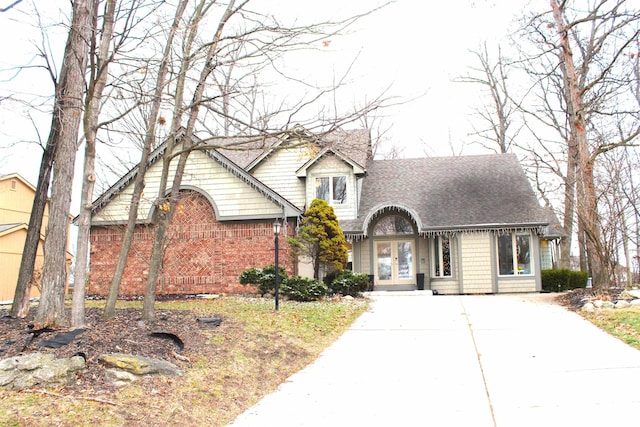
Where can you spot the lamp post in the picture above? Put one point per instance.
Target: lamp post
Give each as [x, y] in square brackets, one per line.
[276, 232]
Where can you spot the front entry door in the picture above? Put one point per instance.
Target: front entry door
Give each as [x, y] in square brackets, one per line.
[394, 262]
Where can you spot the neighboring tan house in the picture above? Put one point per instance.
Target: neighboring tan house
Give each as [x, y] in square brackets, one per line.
[16, 201]
[468, 224]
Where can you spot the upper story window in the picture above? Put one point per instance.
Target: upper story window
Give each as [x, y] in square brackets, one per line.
[514, 254]
[391, 225]
[441, 256]
[333, 189]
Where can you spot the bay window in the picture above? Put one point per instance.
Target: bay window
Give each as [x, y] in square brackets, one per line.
[514, 254]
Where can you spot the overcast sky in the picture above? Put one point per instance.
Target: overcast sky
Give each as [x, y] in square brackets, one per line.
[412, 48]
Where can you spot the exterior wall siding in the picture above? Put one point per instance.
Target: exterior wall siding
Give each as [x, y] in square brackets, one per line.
[475, 262]
[517, 284]
[232, 196]
[546, 258]
[333, 166]
[279, 173]
[11, 247]
[203, 255]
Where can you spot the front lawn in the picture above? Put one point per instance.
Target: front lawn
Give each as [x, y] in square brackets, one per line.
[226, 369]
[622, 323]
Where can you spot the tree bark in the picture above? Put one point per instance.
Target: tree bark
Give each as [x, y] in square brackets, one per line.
[20, 305]
[587, 207]
[69, 106]
[93, 98]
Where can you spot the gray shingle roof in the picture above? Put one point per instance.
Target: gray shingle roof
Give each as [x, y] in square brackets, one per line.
[451, 193]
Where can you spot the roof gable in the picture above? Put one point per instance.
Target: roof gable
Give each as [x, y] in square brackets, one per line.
[214, 154]
[18, 177]
[302, 171]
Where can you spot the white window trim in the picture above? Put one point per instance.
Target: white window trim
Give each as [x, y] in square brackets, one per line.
[514, 255]
[438, 254]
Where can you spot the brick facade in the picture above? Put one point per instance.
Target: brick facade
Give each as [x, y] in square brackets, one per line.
[202, 255]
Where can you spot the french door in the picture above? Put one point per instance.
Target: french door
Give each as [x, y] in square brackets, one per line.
[394, 262]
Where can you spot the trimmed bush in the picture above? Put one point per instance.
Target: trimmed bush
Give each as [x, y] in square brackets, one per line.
[347, 283]
[563, 280]
[251, 276]
[264, 279]
[303, 289]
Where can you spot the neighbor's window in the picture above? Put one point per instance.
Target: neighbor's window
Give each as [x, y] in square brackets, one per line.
[514, 254]
[441, 256]
[333, 189]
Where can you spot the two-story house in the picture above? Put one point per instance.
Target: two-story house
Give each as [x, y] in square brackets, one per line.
[468, 224]
[16, 200]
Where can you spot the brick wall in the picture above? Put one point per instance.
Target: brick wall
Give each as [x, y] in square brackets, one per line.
[202, 255]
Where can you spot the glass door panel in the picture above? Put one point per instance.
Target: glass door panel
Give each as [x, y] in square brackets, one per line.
[394, 263]
[383, 263]
[404, 254]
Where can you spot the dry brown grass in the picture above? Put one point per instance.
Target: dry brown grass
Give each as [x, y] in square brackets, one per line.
[230, 368]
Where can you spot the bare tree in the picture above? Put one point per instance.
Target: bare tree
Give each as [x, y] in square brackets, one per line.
[98, 73]
[581, 79]
[20, 305]
[495, 128]
[68, 110]
[139, 184]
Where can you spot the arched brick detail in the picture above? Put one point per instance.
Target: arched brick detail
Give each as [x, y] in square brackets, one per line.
[202, 255]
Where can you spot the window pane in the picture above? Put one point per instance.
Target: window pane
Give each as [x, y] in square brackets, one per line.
[405, 262]
[522, 251]
[436, 257]
[384, 261]
[505, 254]
[339, 189]
[446, 255]
[322, 188]
[392, 224]
[442, 256]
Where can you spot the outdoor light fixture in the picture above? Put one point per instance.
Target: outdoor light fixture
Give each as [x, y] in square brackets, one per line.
[276, 232]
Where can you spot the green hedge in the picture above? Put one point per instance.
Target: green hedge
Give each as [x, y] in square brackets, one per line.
[264, 278]
[563, 280]
[303, 289]
[346, 282]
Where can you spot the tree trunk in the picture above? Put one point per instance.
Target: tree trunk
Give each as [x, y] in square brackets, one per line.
[139, 184]
[68, 105]
[99, 72]
[569, 206]
[587, 208]
[20, 306]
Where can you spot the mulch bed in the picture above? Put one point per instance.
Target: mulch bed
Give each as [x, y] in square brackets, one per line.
[576, 298]
[125, 333]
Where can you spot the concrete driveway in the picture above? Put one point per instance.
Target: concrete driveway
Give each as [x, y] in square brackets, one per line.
[498, 360]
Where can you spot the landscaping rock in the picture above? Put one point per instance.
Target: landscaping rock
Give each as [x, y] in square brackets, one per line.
[598, 303]
[607, 304]
[635, 302]
[119, 378]
[634, 292]
[588, 307]
[139, 365]
[621, 304]
[38, 369]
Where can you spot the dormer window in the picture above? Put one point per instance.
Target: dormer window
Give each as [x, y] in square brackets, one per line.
[333, 189]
